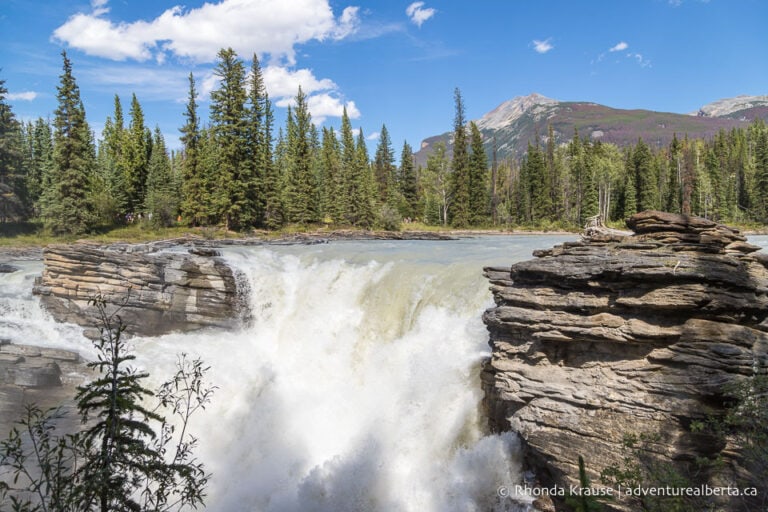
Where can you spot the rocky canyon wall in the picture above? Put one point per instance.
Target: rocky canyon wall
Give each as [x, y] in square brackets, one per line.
[614, 336]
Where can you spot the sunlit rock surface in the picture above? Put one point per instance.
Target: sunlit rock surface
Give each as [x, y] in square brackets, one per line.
[613, 335]
[158, 291]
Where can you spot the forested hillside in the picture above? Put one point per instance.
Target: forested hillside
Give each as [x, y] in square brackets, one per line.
[239, 171]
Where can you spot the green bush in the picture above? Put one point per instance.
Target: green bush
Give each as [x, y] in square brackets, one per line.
[126, 457]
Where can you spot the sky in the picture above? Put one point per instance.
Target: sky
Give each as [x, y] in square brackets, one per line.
[388, 62]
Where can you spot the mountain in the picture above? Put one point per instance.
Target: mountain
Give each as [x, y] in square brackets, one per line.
[741, 107]
[517, 121]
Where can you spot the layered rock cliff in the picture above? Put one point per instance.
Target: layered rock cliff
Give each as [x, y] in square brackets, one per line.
[42, 376]
[159, 291]
[614, 336]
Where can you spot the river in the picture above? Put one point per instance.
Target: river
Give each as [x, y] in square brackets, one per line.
[355, 387]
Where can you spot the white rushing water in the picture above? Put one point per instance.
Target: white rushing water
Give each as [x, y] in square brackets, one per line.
[355, 387]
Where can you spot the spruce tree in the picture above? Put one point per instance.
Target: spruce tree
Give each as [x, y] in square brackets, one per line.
[409, 187]
[41, 167]
[673, 196]
[301, 193]
[332, 179]
[234, 196]
[193, 192]
[12, 172]
[384, 169]
[348, 163]
[365, 185]
[478, 177]
[67, 208]
[161, 202]
[258, 139]
[461, 182]
[273, 216]
[630, 187]
[555, 177]
[646, 178]
[136, 142]
[761, 173]
[536, 170]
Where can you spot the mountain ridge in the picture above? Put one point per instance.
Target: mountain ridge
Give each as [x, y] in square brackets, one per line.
[514, 123]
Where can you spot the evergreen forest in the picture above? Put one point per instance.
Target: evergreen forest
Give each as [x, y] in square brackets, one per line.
[239, 171]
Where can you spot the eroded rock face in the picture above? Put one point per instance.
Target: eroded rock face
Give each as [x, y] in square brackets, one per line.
[160, 292]
[611, 336]
[42, 376]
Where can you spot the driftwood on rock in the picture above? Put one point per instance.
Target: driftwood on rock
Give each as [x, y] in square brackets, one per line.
[617, 335]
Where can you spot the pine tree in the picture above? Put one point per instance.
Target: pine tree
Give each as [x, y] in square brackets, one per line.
[478, 177]
[555, 175]
[124, 465]
[348, 163]
[12, 171]
[193, 192]
[590, 196]
[301, 193]
[258, 140]
[67, 208]
[630, 187]
[646, 177]
[365, 185]
[234, 197]
[332, 180]
[273, 209]
[673, 200]
[161, 203]
[41, 166]
[761, 172]
[137, 146]
[460, 194]
[384, 169]
[535, 173]
[409, 186]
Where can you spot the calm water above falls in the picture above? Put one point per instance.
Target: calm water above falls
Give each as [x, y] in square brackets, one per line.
[356, 386]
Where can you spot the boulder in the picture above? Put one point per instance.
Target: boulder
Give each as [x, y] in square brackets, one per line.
[596, 340]
[155, 291]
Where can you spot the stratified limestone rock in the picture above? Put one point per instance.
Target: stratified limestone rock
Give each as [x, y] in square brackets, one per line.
[158, 292]
[595, 340]
[42, 376]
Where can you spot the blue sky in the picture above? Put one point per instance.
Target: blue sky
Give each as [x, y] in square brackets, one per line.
[389, 62]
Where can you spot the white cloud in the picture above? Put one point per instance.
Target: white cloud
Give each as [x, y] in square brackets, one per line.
[619, 47]
[348, 24]
[644, 63]
[373, 136]
[323, 96]
[99, 7]
[326, 105]
[22, 96]
[323, 106]
[418, 13]
[271, 27]
[282, 82]
[543, 46]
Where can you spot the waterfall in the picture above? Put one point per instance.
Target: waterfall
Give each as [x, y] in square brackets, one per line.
[354, 386]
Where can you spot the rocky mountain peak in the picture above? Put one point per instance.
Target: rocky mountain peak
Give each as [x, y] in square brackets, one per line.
[511, 110]
[726, 106]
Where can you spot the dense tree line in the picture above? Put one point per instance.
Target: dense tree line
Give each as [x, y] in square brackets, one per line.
[232, 170]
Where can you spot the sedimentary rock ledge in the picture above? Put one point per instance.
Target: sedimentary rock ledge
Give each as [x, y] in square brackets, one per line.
[610, 336]
[35, 375]
[157, 291]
